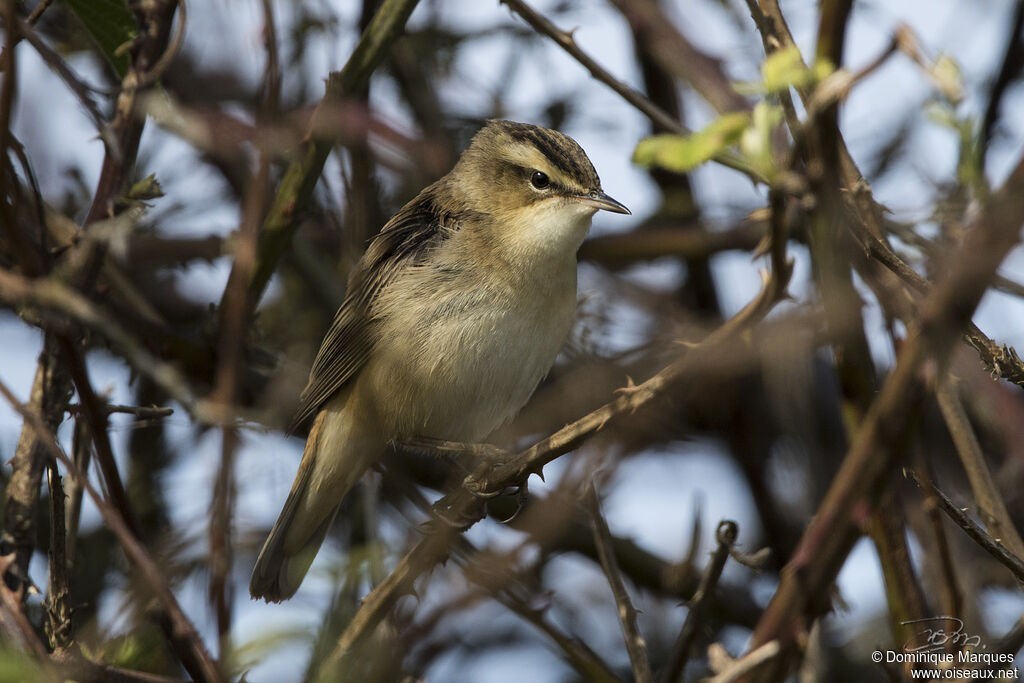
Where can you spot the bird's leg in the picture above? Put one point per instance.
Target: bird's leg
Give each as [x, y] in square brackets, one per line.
[485, 456]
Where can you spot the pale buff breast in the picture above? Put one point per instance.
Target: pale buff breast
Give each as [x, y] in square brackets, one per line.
[458, 359]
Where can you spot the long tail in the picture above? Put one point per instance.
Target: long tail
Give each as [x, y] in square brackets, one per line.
[332, 463]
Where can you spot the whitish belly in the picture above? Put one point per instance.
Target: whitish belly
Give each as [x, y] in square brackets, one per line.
[470, 365]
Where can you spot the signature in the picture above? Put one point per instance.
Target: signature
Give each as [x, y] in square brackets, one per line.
[938, 632]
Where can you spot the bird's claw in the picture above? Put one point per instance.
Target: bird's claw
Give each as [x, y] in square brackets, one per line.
[522, 494]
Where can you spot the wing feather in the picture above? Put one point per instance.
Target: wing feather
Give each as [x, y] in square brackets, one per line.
[351, 338]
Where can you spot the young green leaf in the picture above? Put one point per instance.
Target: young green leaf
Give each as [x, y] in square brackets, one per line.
[682, 153]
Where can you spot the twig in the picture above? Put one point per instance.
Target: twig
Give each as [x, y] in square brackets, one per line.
[38, 11]
[136, 553]
[580, 657]
[747, 663]
[657, 115]
[152, 74]
[75, 84]
[21, 631]
[1009, 70]
[97, 419]
[1000, 360]
[141, 412]
[51, 388]
[726, 535]
[992, 546]
[81, 453]
[236, 311]
[993, 510]
[58, 599]
[635, 645]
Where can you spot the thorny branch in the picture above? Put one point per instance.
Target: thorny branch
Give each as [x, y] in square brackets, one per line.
[635, 644]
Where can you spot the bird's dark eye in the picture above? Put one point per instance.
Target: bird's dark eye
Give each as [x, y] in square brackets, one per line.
[540, 180]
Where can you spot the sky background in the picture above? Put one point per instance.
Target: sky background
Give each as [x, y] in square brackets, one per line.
[655, 497]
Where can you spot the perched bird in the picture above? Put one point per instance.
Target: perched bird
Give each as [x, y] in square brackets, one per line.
[452, 317]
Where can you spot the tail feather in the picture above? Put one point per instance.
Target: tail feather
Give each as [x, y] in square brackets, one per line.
[280, 570]
[334, 460]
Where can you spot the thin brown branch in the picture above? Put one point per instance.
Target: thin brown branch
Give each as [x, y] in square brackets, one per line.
[141, 412]
[58, 595]
[236, 312]
[14, 625]
[657, 115]
[635, 644]
[38, 11]
[738, 668]
[726, 535]
[617, 251]
[74, 83]
[582, 658]
[51, 388]
[96, 416]
[977, 534]
[994, 514]
[182, 629]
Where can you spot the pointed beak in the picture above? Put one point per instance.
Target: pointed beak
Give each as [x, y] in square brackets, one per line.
[599, 200]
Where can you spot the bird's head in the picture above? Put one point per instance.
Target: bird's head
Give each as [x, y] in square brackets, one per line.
[536, 184]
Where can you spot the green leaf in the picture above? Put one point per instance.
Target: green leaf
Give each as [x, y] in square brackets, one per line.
[110, 24]
[784, 68]
[948, 79]
[682, 153]
[147, 188]
[756, 140]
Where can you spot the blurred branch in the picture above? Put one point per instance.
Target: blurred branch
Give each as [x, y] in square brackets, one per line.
[141, 412]
[621, 250]
[300, 178]
[14, 625]
[1009, 70]
[737, 668]
[75, 84]
[96, 416]
[725, 535]
[657, 115]
[993, 510]
[1000, 360]
[59, 622]
[635, 645]
[678, 56]
[54, 296]
[51, 388]
[992, 546]
[946, 311]
[581, 657]
[184, 633]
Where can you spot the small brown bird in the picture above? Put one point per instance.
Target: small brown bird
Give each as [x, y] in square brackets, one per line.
[452, 317]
